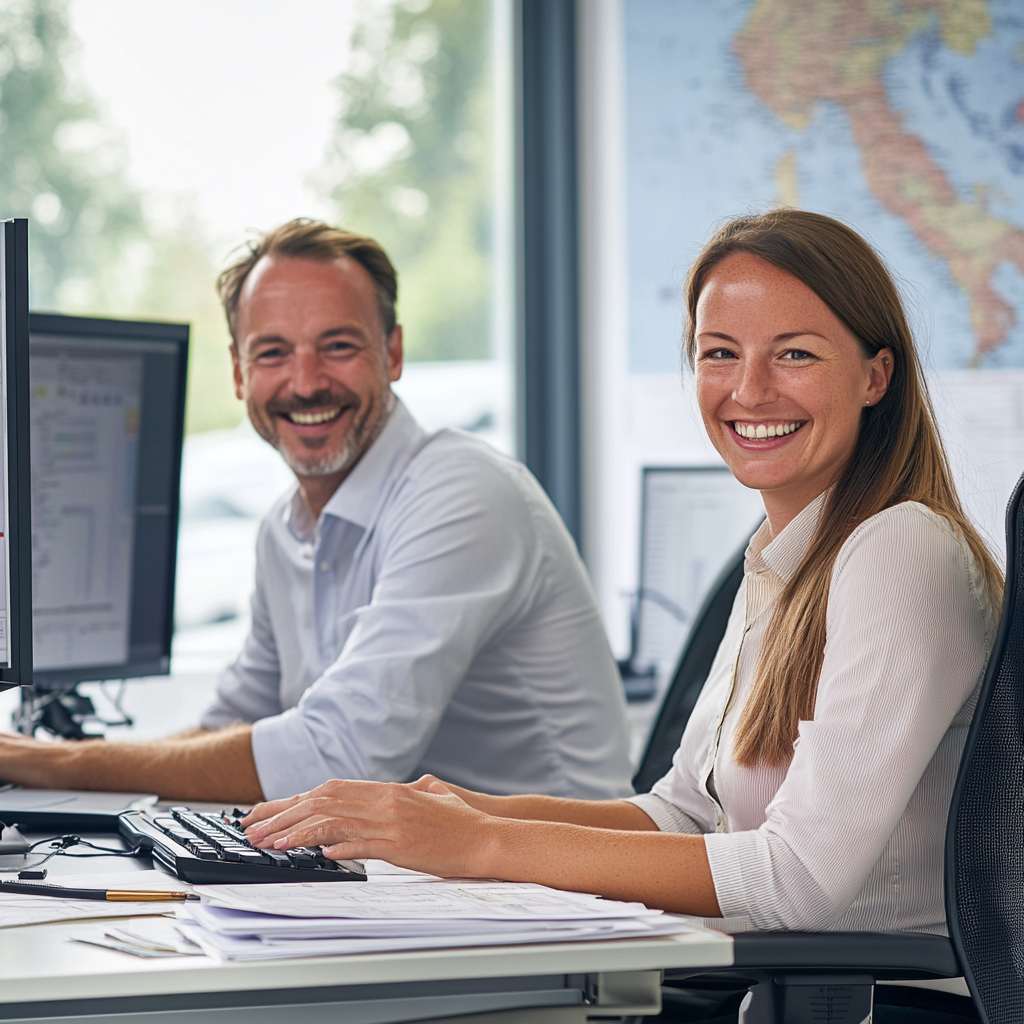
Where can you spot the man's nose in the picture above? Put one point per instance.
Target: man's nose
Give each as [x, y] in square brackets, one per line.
[756, 386]
[307, 372]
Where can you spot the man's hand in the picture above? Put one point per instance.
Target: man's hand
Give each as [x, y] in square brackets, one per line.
[196, 766]
[424, 825]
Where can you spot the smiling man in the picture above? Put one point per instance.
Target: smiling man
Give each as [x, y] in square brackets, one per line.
[419, 606]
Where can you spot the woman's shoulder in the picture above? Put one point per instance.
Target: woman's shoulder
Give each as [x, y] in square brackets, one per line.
[909, 540]
[909, 518]
[908, 529]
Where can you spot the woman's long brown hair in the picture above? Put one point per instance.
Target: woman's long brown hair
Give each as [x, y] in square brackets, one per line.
[898, 456]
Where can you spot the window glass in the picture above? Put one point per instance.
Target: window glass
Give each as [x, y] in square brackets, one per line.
[146, 141]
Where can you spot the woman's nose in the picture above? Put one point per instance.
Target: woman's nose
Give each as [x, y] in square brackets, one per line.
[756, 385]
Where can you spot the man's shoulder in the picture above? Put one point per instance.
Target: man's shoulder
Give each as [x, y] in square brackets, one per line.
[455, 456]
[452, 469]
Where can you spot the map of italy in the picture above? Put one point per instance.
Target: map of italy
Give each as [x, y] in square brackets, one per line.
[796, 54]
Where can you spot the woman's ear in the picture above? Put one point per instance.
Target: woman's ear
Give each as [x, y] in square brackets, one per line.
[879, 376]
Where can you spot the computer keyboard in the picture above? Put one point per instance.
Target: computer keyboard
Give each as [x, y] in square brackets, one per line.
[208, 848]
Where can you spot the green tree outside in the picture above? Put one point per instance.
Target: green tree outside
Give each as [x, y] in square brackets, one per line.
[60, 166]
[410, 163]
[92, 250]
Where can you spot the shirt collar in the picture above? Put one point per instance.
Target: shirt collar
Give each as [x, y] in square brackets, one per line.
[784, 553]
[358, 495]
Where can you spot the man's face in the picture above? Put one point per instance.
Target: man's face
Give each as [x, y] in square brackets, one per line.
[312, 362]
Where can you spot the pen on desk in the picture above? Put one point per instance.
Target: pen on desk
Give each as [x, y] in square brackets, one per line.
[108, 895]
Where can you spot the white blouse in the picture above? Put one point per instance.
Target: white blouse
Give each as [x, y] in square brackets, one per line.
[850, 835]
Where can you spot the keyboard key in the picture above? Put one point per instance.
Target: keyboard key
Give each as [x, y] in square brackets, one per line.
[251, 856]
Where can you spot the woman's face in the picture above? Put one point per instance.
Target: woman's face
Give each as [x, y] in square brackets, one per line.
[781, 383]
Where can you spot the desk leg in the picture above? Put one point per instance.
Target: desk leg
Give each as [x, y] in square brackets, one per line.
[615, 994]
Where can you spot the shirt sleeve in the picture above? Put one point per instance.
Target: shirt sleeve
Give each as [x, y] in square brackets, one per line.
[907, 641]
[460, 550]
[249, 689]
[665, 815]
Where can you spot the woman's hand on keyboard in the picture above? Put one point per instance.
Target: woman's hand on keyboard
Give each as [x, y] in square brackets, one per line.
[422, 825]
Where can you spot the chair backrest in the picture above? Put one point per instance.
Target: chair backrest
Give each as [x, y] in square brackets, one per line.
[690, 675]
[985, 835]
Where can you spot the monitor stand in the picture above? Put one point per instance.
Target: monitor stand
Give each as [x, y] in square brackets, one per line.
[65, 713]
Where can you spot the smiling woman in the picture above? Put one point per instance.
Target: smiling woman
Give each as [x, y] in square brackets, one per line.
[811, 785]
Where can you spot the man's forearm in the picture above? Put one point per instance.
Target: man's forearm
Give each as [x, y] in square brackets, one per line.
[206, 766]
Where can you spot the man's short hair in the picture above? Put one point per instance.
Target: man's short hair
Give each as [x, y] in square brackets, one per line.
[307, 239]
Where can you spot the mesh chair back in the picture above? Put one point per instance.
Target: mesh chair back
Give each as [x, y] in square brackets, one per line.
[691, 674]
[985, 837]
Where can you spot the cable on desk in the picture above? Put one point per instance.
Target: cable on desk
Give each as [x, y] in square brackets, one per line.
[62, 846]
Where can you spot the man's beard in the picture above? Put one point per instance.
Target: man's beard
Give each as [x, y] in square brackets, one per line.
[361, 434]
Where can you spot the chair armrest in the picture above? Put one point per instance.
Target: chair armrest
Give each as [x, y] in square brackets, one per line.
[881, 954]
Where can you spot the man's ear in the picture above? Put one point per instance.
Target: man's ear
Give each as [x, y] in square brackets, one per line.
[236, 367]
[395, 354]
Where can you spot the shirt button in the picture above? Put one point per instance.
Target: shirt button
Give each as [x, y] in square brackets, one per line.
[324, 566]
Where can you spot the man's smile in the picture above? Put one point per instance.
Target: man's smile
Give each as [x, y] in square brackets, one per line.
[310, 419]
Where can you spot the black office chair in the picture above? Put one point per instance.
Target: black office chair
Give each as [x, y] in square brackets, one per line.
[819, 977]
[985, 837]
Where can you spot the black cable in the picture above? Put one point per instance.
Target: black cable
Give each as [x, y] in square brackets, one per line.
[62, 846]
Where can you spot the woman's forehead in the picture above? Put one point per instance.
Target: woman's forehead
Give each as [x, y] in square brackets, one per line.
[743, 287]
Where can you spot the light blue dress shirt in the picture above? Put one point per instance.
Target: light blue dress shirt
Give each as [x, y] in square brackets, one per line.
[436, 619]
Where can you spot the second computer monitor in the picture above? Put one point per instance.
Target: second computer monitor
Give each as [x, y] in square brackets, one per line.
[107, 418]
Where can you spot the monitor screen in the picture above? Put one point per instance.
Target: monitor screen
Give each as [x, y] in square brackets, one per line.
[107, 416]
[15, 506]
[694, 519]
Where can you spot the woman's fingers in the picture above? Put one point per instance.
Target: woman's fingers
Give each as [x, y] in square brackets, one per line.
[268, 808]
[334, 788]
[421, 825]
[323, 832]
[299, 809]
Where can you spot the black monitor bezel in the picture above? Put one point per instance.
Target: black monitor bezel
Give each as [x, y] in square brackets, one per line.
[129, 331]
[19, 466]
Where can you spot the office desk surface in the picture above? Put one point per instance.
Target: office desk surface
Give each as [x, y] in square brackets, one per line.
[39, 963]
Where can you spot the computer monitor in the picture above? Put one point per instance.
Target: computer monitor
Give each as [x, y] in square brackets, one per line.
[15, 486]
[693, 520]
[107, 419]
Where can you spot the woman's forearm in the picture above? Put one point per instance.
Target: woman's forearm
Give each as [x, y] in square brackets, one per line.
[431, 827]
[614, 814]
[663, 870]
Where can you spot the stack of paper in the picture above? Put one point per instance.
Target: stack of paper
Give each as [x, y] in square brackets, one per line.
[255, 922]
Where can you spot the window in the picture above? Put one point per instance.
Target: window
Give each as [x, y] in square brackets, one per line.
[146, 141]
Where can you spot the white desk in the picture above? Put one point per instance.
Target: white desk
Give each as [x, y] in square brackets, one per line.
[45, 977]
